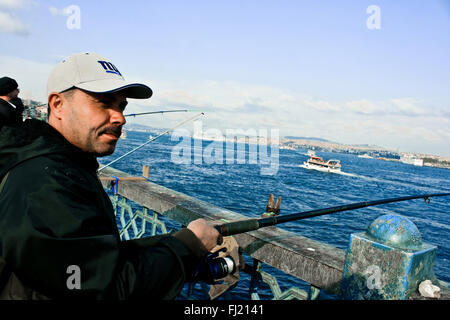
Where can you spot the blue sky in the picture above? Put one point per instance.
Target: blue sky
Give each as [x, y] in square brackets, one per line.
[308, 68]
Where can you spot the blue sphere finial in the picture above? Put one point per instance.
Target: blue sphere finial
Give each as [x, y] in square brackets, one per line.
[396, 231]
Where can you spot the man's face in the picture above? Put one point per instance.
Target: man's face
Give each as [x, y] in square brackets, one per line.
[93, 122]
[14, 94]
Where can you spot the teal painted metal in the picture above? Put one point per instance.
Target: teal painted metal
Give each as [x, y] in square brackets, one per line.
[313, 293]
[133, 225]
[257, 276]
[396, 231]
[289, 294]
[387, 262]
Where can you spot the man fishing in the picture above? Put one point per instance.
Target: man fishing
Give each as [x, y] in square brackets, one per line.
[57, 222]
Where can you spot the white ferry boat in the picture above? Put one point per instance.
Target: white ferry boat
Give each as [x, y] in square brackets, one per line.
[317, 163]
[410, 159]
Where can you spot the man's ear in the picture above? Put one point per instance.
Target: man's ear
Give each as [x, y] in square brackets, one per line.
[56, 103]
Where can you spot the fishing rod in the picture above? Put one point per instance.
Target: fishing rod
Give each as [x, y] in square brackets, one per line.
[213, 267]
[154, 112]
[242, 226]
[150, 140]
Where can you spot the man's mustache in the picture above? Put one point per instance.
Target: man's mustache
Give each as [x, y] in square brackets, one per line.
[117, 131]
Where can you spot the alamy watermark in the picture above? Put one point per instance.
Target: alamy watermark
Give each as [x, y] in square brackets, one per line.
[228, 147]
[373, 274]
[73, 14]
[74, 278]
[373, 22]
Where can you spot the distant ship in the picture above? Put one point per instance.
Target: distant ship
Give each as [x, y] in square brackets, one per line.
[408, 159]
[123, 135]
[317, 163]
[365, 156]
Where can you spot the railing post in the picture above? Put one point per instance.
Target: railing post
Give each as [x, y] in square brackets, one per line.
[387, 262]
[146, 171]
[255, 278]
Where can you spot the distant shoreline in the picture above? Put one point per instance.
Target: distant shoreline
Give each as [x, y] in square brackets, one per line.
[319, 144]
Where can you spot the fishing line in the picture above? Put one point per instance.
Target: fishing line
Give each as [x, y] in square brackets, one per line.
[154, 112]
[147, 142]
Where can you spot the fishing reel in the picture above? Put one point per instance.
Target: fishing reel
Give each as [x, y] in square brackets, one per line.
[213, 267]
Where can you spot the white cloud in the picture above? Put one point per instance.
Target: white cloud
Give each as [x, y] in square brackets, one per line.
[363, 107]
[408, 106]
[15, 4]
[11, 24]
[398, 122]
[325, 106]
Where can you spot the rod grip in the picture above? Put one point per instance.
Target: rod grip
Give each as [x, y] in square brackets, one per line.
[236, 227]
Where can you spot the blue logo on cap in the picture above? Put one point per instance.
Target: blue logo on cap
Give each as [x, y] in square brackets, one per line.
[109, 67]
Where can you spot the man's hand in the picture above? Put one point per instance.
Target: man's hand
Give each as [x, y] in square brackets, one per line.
[207, 234]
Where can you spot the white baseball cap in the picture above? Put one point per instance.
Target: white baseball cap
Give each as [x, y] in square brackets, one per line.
[93, 73]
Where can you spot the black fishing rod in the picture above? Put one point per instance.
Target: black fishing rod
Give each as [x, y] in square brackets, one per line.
[154, 112]
[242, 226]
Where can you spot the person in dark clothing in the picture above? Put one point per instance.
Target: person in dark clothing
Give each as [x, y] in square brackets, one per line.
[54, 212]
[11, 106]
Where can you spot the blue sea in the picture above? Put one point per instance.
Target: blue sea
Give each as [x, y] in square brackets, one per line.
[243, 189]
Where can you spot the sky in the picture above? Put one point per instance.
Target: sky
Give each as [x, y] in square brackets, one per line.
[356, 72]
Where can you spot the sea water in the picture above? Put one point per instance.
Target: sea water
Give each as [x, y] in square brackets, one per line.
[243, 189]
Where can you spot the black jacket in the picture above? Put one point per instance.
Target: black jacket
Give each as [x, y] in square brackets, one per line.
[54, 213]
[10, 115]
